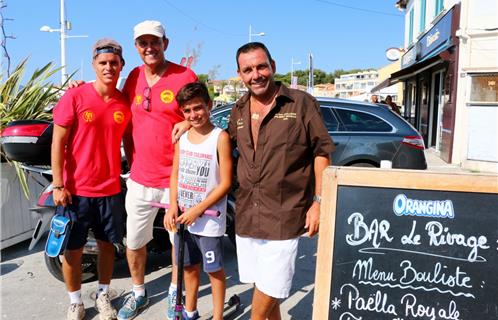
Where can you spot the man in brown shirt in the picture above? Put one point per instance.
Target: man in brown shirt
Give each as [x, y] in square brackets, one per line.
[284, 148]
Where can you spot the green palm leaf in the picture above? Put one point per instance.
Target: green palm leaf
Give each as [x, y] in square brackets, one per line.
[28, 101]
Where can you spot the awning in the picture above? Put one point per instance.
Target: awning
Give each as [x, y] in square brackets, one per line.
[427, 62]
[414, 69]
[384, 84]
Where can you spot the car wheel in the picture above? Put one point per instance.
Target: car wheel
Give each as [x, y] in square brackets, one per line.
[88, 267]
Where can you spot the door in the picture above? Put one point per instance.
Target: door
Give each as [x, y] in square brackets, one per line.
[435, 130]
[409, 110]
[423, 120]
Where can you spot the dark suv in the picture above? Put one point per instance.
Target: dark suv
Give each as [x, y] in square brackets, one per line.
[363, 133]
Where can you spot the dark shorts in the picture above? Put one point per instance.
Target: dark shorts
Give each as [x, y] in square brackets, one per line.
[208, 250]
[104, 215]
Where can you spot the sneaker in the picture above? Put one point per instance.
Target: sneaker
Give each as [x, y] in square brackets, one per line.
[132, 306]
[170, 305]
[186, 317]
[105, 308]
[76, 312]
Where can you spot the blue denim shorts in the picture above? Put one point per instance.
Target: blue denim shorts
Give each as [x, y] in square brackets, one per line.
[104, 215]
[208, 250]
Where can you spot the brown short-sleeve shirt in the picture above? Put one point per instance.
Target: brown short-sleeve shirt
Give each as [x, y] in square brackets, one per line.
[276, 182]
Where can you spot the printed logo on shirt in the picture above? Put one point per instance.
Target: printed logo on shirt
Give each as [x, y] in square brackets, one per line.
[138, 100]
[118, 117]
[240, 124]
[88, 116]
[167, 96]
[285, 116]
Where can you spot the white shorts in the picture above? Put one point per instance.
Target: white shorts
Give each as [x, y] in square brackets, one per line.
[269, 264]
[141, 215]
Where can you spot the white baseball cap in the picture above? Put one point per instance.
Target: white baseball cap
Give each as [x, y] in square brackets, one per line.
[151, 27]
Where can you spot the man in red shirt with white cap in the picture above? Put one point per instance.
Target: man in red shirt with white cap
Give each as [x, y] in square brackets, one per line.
[151, 89]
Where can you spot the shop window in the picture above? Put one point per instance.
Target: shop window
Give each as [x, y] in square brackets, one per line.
[410, 30]
[484, 88]
[439, 7]
[422, 16]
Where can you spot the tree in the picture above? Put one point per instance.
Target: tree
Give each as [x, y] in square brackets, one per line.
[28, 101]
[214, 71]
[284, 78]
[204, 78]
[194, 54]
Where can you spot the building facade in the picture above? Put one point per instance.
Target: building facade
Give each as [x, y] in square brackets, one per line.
[449, 71]
[324, 90]
[384, 88]
[429, 70]
[355, 84]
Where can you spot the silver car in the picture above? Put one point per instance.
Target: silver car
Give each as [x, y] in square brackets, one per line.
[363, 133]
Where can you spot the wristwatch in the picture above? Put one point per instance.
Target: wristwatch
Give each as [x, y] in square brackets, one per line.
[317, 198]
[58, 187]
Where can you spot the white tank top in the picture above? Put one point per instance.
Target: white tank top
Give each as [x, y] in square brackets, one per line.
[198, 175]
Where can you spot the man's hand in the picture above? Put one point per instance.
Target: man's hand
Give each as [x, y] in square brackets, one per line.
[75, 84]
[179, 129]
[313, 219]
[62, 197]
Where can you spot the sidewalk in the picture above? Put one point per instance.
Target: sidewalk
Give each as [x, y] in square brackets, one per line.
[435, 163]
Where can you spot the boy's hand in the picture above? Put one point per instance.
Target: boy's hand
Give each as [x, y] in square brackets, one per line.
[189, 216]
[170, 219]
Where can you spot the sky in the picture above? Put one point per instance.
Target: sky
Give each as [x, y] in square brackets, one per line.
[341, 34]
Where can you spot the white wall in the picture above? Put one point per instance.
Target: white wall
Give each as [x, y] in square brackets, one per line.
[483, 133]
[476, 135]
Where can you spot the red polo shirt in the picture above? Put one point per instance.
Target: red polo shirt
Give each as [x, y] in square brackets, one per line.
[93, 155]
[152, 157]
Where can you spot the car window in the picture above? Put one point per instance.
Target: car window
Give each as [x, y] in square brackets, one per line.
[329, 119]
[221, 119]
[362, 121]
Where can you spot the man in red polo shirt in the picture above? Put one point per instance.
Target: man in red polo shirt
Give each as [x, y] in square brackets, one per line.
[89, 122]
[151, 89]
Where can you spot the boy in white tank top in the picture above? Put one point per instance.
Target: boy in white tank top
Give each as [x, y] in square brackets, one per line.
[200, 181]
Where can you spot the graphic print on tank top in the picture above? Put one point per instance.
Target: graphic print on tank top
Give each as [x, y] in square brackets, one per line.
[198, 175]
[193, 178]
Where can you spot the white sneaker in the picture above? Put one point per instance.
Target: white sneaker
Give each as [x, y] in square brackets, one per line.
[76, 312]
[105, 308]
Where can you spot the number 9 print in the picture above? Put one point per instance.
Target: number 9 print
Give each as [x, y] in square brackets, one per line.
[210, 257]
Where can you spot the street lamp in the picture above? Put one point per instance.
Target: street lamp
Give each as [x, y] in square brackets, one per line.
[293, 85]
[64, 26]
[254, 34]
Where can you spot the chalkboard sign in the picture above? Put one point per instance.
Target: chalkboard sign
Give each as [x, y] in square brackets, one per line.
[398, 244]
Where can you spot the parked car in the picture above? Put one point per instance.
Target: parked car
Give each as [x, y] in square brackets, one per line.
[363, 133]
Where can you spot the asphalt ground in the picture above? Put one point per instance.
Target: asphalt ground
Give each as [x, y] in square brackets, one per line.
[28, 291]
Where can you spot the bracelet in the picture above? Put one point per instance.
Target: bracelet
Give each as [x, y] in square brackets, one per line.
[58, 187]
[317, 198]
